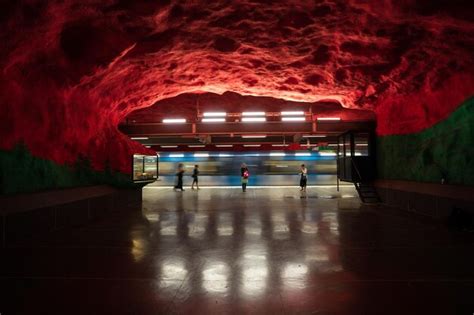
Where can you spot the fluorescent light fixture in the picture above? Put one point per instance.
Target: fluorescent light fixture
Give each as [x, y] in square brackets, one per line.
[210, 120]
[302, 154]
[174, 121]
[332, 145]
[224, 145]
[254, 119]
[148, 146]
[253, 136]
[314, 136]
[277, 154]
[168, 146]
[294, 113]
[329, 118]
[252, 145]
[196, 146]
[225, 155]
[308, 145]
[327, 154]
[215, 114]
[280, 145]
[139, 138]
[176, 155]
[362, 144]
[253, 114]
[201, 154]
[293, 119]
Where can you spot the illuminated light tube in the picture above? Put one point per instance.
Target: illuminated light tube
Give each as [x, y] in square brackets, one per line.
[252, 145]
[314, 136]
[280, 145]
[302, 154]
[332, 145]
[168, 146]
[211, 120]
[253, 114]
[329, 118]
[225, 155]
[277, 154]
[148, 146]
[176, 155]
[196, 146]
[294, 113]
[293, 119]
[215, 114]
[327, 154]
[174, 121]
[254, 119]
[224, 145]
[253, 136]
[139, 138]
[201, 154]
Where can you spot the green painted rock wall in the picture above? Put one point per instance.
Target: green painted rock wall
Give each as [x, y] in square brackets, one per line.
[445, 150]
[22, 172]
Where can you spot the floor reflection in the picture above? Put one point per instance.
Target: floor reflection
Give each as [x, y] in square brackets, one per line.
[243, 247]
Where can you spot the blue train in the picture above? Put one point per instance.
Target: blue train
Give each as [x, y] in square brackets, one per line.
[266, 168]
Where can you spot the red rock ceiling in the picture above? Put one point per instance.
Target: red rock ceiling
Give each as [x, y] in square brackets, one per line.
[72, 70]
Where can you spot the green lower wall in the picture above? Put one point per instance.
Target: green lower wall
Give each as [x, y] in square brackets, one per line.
[445, 150]
[22, 172]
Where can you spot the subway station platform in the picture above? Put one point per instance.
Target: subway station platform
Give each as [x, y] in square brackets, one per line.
[222, 251]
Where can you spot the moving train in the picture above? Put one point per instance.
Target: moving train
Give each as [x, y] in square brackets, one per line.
[266, 168]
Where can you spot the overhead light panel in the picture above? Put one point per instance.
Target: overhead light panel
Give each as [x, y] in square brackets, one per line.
[251, 145]
[314, 136]
[139, 138]
[292, 113]
[168, 146]
[176, 155]
[327, 154]
[174, 121]
[293, 119]
[253, 114]
[328, 118]
[254, 119]
[225, 155]
[302, 154]
[213, 120]
[277, 154]
[224, 145]
[253, 136]
[280, 145]
[196, 146]
[215, 114]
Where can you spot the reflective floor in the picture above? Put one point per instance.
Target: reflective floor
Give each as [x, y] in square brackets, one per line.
[220, 251]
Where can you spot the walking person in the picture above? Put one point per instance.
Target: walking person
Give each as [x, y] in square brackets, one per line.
[304, 177]
[195, 177]
[244, 176]
[179, 175]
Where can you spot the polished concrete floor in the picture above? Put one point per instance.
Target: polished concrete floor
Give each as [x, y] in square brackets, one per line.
[220, 251]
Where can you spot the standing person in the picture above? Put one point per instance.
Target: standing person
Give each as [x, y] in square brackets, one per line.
[195, 177]
[244, 175]
[304, 177]
[179, 175]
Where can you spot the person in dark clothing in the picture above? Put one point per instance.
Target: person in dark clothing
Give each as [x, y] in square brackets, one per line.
[304, 177]
[179, 175]
[195, 177]
[244, 175]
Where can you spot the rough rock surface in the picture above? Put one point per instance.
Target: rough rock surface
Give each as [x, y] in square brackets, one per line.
[72, 70]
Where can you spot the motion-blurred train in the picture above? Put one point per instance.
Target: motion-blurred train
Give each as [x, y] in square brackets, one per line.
[266, 168]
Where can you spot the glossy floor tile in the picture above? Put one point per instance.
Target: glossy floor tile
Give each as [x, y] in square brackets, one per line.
[222, 251]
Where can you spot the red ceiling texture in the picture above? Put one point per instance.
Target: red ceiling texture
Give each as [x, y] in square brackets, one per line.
[72, 70]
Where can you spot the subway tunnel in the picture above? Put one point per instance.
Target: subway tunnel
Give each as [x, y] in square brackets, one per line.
[104, 103]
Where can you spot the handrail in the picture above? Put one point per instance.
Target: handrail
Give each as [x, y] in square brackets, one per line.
[355, 166]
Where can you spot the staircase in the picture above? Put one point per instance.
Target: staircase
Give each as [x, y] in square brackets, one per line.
[367, 193]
